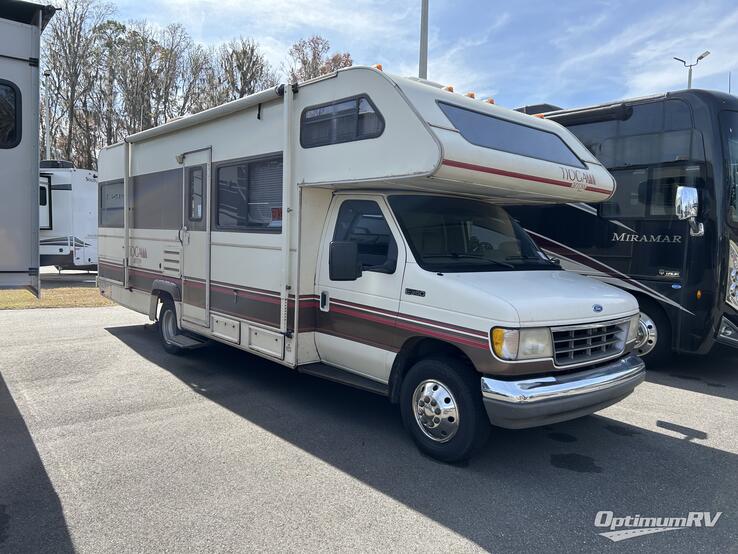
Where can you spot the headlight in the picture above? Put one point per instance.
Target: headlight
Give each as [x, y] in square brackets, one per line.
[732, 292]
[521, 344]
[633, 326]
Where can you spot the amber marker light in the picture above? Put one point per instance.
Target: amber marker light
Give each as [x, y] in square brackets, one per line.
[699, 295]
[448, 88]
[470, 95]
[490, 100]
[377, 66]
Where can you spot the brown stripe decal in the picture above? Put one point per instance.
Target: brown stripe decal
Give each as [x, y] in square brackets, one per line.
[358, 322]
[523, 176]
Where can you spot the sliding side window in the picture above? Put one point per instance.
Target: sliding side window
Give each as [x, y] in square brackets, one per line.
[250, 196]
[345, 120]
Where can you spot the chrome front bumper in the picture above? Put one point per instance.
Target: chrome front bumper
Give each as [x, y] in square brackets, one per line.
[550, 399]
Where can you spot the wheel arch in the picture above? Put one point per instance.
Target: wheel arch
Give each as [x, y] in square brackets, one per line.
[159, 290]
[415, 349]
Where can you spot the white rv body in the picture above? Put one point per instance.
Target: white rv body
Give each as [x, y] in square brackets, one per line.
[21, 24]
[231, 216]
[68, 218]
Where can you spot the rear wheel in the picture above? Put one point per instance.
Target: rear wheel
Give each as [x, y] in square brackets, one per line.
[168, 328]
[441, 406]
[654, 334]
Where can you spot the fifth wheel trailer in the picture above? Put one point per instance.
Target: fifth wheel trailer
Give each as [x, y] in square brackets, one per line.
[67, 215]
[21, 24]
[350, 228]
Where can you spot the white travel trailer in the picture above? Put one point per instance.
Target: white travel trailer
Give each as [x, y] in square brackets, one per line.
[67, 216]
[21, 24]
[350, 228]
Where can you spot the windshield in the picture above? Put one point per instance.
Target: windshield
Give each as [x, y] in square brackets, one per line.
[464, 235]
[729, 126]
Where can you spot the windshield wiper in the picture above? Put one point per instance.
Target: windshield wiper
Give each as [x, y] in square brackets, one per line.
[460, 256]
[530, 258]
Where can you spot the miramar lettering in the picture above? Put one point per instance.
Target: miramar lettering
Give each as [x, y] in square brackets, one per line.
[633, 237]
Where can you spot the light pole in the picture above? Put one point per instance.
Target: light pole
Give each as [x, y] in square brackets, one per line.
[690, 66]
[423, 62]
[47, 74]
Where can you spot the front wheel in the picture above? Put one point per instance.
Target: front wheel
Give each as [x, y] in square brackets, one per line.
[441, 407]
[654, 335]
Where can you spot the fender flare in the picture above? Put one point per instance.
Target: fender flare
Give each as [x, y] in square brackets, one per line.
[162, 285]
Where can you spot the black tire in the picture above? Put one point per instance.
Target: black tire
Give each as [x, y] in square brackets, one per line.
[168, 311]
[660, 352]
[463, 383]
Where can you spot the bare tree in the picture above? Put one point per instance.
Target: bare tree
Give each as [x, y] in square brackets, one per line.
[309, 58]
[244, 68]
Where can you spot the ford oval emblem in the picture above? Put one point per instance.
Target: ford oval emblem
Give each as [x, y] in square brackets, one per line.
[597, 308]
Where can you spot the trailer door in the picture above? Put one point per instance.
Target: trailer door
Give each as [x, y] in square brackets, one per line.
[195, 238]
[44, 202]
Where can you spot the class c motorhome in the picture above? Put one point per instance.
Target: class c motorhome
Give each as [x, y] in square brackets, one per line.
[67, 216]
[21, 24]
[350, 228]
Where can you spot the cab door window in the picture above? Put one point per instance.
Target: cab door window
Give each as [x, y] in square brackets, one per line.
[362, 222]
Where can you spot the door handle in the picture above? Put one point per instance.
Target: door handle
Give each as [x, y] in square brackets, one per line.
[325, 301]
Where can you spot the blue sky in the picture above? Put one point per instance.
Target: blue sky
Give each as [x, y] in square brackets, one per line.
[567, 52]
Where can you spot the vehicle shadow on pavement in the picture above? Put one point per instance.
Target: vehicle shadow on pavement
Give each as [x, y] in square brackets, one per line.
[715, 374]
[31, 515]
[536, 489]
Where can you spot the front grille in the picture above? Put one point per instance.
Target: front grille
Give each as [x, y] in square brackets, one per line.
[583, 344]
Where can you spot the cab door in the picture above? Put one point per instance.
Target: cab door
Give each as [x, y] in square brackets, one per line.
[195, 238]
[356, 322]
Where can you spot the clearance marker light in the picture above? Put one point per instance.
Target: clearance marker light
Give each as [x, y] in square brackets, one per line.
[699, 295]
[539, 115]
[448, 88]
[490, 100]
[470, 95]
[377, 66]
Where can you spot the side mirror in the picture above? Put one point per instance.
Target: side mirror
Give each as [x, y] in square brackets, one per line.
[687, 206]
[343, 261]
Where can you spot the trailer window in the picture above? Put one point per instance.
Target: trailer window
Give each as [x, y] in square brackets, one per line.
[42, 198]
[250, 195]
[729, 127]
[111, 205]
[344, 120]
[499, 134]
[362, 222]
[10, 115]
[195, 182]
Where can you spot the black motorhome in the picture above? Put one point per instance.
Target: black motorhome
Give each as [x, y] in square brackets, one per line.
[669, 235]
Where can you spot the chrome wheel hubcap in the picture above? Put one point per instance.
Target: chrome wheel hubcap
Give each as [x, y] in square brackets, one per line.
[168, 324]
[436, 411]
[648, 335]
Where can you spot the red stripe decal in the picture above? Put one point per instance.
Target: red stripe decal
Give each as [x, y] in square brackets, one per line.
[524, 176]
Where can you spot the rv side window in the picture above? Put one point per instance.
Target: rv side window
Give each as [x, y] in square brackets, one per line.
[250, 196]
[499, 134]
[10, 115]
[195, 181]
[42, 199]
[111, 204]
[344, 120]
[362, 222]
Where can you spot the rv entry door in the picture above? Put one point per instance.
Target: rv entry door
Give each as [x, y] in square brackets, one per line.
[195, 238]
[44, 202]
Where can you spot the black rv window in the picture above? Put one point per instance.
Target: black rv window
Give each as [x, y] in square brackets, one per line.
[344, 120]
[10, 115]
[250, 195]
[362, 222]
[195, 181]
[42, 198]
[111, 204]
[499, 134]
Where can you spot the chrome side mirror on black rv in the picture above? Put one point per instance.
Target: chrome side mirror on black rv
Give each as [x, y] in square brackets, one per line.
[687, 206]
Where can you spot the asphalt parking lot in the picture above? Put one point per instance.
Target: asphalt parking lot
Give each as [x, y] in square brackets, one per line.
[108, 444]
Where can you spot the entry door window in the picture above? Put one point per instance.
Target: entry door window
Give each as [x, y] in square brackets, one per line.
[362, 222]
[195, 180]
